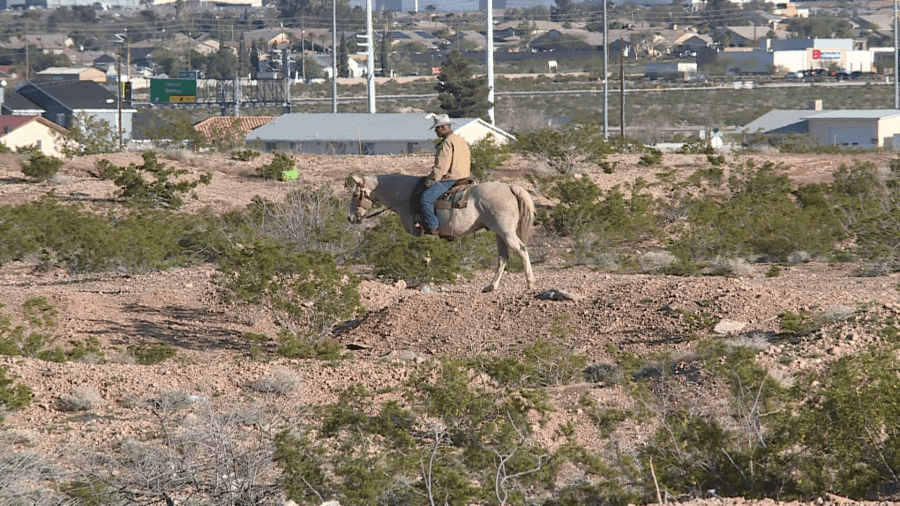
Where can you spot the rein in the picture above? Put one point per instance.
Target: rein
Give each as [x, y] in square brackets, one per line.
[364, 194]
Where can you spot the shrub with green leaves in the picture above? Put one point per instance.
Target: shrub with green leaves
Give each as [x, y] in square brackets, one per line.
[487, 156]
[395, 254]
[307, 291]
[542, 363]
[31, 340]
[88, 135]
[244, 155]
[152, 354]
[275, 169]
[448, 443]
[13, 397]
[596, 219]
[151, 182]
[41, 167]
[82, 241]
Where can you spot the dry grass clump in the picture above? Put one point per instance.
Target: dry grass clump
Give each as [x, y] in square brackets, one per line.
[731, 267]
[280, 381]
[80, 399]
[655, 260]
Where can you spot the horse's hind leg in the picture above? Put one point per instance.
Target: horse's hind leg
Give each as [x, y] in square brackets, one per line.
[502, 259]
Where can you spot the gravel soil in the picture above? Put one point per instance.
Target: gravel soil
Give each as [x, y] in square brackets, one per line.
[638, 313]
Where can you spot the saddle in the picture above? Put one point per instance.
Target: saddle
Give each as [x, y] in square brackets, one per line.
[457, 197]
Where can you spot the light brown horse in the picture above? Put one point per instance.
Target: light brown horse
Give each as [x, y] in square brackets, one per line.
[507, 210]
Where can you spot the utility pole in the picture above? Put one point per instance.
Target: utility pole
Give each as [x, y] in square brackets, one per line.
[622, 87]
[119, 94]
[370, 58]
[490, 59]
[605, 75]
[896, 62]
[334, 56]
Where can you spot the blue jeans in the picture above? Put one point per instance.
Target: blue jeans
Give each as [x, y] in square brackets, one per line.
[428, 197]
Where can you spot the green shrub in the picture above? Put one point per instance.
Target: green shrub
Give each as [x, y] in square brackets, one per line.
[82, 241]
[152, 354]
[651, 158]
[596, 219]
[158, 191]
[307, 291]
[696, 147]
[487, 157]
[13, 397]
[847, 430]
[41, 167]
[541, 364]
[25, 341]
[304, 347]
[396, 254]
[244, 155]
[564, 149]
[88, 135]
[276, 168]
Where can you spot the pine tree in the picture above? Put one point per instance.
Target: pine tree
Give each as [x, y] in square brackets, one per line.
[344, 58]
[460, 94]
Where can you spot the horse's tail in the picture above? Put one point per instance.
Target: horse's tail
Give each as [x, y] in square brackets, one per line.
[526, 212]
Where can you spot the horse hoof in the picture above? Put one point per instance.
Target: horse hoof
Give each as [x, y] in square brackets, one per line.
[489, 288]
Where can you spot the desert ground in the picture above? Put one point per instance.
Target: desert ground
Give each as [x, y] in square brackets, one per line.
[404, 324]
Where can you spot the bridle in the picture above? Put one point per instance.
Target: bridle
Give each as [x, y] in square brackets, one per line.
[363, 200]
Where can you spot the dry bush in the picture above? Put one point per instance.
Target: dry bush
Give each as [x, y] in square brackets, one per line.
[799, 257]
[80, 399]
[280, 381]
[655, 260]
[210, 456]
[731, 266]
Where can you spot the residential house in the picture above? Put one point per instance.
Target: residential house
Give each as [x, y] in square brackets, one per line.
[361, 133]
[356, 64]
[230, 127]
[24, 131]
[59, 74]
[61, 101]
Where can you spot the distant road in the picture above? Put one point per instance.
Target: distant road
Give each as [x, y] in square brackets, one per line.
[598, 90]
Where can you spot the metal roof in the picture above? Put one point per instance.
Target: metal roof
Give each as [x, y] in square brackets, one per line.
[350, 127]
[781, 121]
[855, 114]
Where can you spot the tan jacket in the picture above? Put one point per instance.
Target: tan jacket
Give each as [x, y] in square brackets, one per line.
[452, 159]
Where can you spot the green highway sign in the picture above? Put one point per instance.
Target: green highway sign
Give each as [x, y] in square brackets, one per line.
[166, 91]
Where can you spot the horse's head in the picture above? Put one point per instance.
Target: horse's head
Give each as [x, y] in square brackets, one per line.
[360, 199]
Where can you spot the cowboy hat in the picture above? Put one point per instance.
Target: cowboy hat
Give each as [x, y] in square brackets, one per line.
[440, 119]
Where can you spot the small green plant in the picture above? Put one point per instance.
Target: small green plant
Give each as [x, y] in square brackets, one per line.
[398, 255]
[773, 271]
[275, 169]
[715, 160]
[41, 167]
[157, 191]
[801, 324]
[294, 346]
[153, 354]
[487, 156]
[13, 397]
[244, 155]
[651, 158]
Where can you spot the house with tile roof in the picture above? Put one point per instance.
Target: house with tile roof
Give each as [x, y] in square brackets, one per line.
[361, 133]
[230, 127]
[24, 131]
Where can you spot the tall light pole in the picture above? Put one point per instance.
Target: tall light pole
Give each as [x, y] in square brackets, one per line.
[896, 62]
[605, 76]
[334, 56]
[490, 59]
[370, 58]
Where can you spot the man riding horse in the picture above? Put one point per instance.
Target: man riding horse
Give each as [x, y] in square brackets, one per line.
[452, 162]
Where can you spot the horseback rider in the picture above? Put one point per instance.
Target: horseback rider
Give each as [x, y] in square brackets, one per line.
[452, 162]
